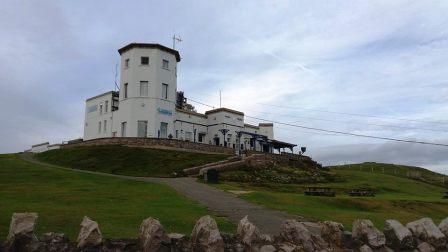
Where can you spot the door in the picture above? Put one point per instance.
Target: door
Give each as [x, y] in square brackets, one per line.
[123, 129]
[163, 130]
[142, 128]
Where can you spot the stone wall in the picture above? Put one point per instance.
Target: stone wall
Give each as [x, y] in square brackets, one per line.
[148, 142]
[420, 235]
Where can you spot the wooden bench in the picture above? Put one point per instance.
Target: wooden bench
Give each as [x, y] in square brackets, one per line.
[363, 192]
[320, 191]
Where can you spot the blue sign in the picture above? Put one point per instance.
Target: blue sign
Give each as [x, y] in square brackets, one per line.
[165, 111]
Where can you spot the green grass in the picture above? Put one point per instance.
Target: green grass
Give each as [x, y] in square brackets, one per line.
[416, 173]
[63, 197]
[397, 198]
[131, 161]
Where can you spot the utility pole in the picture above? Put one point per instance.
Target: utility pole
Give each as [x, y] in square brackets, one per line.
[178, 39]
[220, 98]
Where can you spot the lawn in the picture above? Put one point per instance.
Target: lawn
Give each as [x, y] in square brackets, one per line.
[63, 197]
[131, 161]
[397, 197]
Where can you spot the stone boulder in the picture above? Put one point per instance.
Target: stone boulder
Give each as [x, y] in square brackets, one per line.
[426, 231]
[205, 236]
[443, 226]
[397, 235]
[364, 232]
[296, 233]
[152, 235]
[332, 232]
[365, 248]
[21, 231]
[23, 224]
[53, 238]
[425, 247]
[248, 233]
[90, 234]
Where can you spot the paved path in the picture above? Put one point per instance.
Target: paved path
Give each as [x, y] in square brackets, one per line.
[219, 201]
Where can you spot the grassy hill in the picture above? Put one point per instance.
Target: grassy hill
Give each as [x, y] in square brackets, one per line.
[398, 196]
[411, 172]
[131, 161]
[63, 197]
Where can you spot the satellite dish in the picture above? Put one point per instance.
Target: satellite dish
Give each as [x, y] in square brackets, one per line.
[303, 149]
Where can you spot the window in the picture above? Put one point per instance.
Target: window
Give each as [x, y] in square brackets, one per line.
[188, 136]
[101, 109]
[201, 137]
[144, 60]
[126, 63]
[164, 91]
[123, 129]
[177, 134]
[165, 64]
[105, 126]
[142, 128]
[106, 106]
[163, 130]
[99, 127]
[125, 95]
[143, 88]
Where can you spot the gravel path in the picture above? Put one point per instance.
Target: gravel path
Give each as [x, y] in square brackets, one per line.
[222, 202]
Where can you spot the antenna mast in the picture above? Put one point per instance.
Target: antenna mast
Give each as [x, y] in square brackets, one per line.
[115, 79]
[178, 39]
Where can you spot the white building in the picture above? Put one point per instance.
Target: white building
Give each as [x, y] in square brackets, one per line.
[149, 105]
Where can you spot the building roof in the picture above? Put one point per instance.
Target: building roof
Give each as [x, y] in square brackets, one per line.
[150, 46]
[251, 126]
[103, 94]
[224, 110]
[280, 144]
[191, 113]
[265, 124]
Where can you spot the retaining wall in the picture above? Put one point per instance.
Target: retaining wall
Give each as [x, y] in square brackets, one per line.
[149, 142]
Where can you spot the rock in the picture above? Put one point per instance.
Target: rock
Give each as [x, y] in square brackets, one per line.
[425, 247]
[90, 234]
[152, 235]
[425, 230]
[332, 232]
[443, 226]
[267, 248]
[23, 224]
[397, 235]
[248, 233]
[179, 242]
[364, 232]
[53, 238]
[118, 245]
[288, 247]
[296, 233]
[365, 248]
[206, 237]
[21, 231]
[347, 240]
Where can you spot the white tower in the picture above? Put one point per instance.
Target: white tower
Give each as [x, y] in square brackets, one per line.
[148, 86]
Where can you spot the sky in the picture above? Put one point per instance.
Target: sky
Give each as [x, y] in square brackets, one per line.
[366, 67]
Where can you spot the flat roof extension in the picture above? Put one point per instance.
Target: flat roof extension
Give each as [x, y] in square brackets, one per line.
[224, 110]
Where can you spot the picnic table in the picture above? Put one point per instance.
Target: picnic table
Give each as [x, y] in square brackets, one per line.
[320, 191]
[363, 192]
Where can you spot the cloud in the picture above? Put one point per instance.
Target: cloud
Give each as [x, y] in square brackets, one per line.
[383, 59]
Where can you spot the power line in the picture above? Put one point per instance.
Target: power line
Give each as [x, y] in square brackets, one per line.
[341, 113]
[335, 131]
[359, 123]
